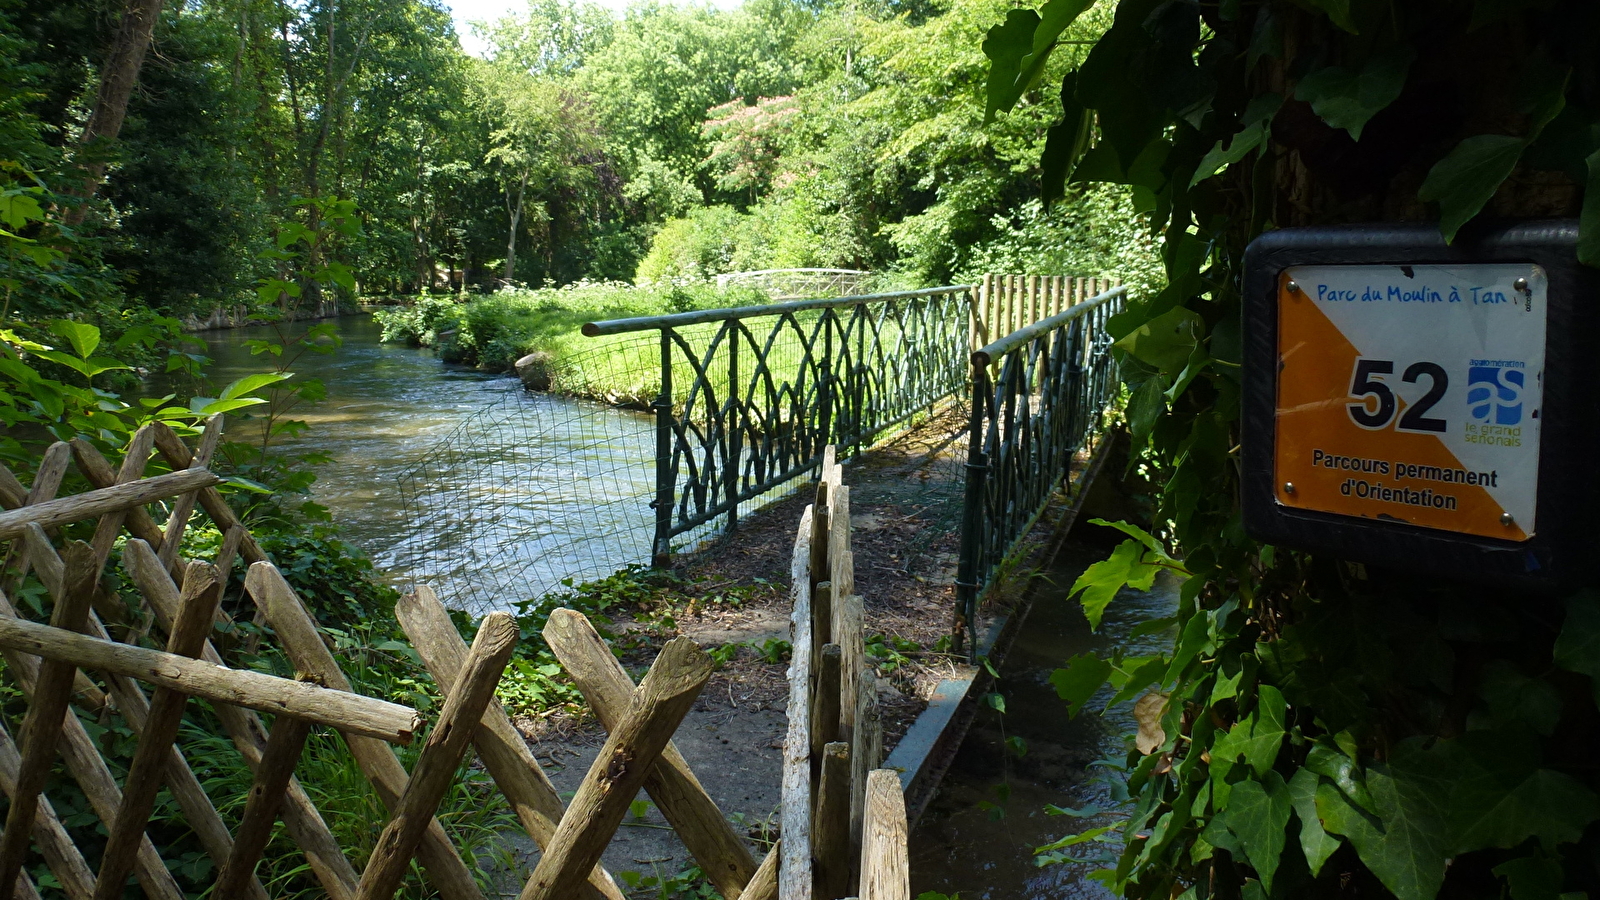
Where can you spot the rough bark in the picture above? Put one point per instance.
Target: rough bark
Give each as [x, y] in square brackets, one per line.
[117, 81]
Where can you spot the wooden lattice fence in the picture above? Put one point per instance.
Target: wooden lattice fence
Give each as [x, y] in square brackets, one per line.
[1007, 303]
[93, 653]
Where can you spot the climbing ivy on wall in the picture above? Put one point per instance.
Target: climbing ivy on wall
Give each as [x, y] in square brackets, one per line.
[1324, 730]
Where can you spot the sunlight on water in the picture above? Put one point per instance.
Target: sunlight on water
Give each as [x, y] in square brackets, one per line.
[511, 491]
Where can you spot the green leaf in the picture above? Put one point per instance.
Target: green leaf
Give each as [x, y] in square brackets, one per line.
[1338, 11]
[1083, 675]
[1072, 840]
[1064, 143]
[1404, 845]
[1100, 582]
[250, 383]
[1348, 100]
[1055, 17]
[1536, 877]
[1257, 738]
[83, 336]
[1315, 842]
[1165, 341]
[1589, 223]
[1500, 796]
[1145, 407]
[1137, 533]
[207, 406]
[1464, 181]
[1220, 157]
[1258, 813]
[1517, 701]
[1577, 648]
[1140, 677]
[1006, 46]
[1340, 767]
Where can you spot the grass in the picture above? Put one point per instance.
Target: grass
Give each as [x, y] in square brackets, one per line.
[494, 332]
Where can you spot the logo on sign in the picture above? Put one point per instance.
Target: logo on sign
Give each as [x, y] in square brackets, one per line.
[1494, 390]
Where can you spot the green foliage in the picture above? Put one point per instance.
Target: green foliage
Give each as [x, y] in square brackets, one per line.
[1311, 732]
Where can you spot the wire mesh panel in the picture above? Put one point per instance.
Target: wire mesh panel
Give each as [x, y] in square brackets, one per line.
[1037, 398]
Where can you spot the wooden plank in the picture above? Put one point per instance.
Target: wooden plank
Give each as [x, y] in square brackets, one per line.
[441, 756]
[300, 816]
[866, 750]
[109, 528]
[84, 762]
[55, 845]
[298, 635]
[885, 863]
[197, 808]
[99, 473]
[794, 869]
[817, 569]
[350, 712]
[41, 728]
[852, 673]
[202, 591]
[52, 468]
[284, 746]
[830, 828]
[105, 500]
[659, 704]
[841, 568]
[825, 701]
[690, 811]
[12, 493]
[821, 620]
[764, 883]
[500, 746]
[222, 515]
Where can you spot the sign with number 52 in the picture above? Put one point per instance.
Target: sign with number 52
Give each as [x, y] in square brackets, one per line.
[1412, 394]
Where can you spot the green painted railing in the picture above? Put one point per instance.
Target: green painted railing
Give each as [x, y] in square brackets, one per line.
[1038, 395]
[750, 396]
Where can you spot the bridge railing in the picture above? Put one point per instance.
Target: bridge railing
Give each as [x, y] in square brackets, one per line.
[749, 397]
[1039, 395]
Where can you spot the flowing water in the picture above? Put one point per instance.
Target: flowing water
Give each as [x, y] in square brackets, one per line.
[457, 478]
[977, 836]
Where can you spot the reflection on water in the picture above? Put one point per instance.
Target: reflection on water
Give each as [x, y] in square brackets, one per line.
[459, 479]
[960, 846]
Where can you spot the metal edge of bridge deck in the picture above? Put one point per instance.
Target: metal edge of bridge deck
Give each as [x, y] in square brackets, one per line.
[929, 746]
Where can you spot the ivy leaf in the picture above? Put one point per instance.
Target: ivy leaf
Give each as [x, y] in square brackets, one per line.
[1258, 813]
[1083, 675]
[1338, 11]
[1536, 877]
[1137, 679]
[1064, 143]
[1516, 700]
[1589, 223]
[1340, 767]
[1315, 842]
[1348, 100]
[1257, 738]
[1500, 796]
[1165, 341]
[1577, 648]
[1463, 182]
[1100, 582]
[1006, 46]
[1055, 17]
[1404, 844]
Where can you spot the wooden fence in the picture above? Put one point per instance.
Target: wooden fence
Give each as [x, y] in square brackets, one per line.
[843, 820]
[1005, 303]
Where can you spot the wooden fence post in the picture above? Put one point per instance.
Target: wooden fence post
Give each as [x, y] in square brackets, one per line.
[831, 828]
[441, 755]
[501, 747]
[885, 869]
[659, 704]
[692, 813]
[794, 869]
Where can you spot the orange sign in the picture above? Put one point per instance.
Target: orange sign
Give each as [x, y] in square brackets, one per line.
[1412, 394]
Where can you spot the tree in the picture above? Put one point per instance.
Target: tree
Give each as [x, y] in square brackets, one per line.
[118, 77]
[1324, 733]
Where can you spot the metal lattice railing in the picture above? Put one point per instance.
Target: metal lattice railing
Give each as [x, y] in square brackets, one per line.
[750, 397]
[1038, 395]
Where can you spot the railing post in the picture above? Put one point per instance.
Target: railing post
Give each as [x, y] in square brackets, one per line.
[661, 549]
[735, 430]
[968, 577]
[825, 386]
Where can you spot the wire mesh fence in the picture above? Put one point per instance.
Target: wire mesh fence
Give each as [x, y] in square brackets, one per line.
[664, 432]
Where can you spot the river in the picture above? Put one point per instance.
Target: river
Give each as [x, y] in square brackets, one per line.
[460, 479]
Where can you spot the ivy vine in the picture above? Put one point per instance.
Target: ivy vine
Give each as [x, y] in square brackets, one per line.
[1324, 731]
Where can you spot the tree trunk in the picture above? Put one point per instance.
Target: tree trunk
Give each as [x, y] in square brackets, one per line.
[117, 80]
[516, 218]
